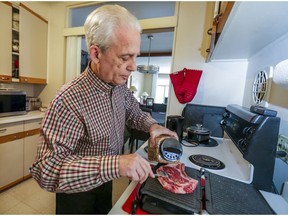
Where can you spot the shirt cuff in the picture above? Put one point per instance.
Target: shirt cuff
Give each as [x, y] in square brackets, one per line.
[109, 168]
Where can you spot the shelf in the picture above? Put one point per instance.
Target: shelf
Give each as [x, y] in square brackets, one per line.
[15, 53]
[15, 30]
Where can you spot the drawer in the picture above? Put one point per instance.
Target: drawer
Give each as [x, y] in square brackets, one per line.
[11, 128]
[32, 124]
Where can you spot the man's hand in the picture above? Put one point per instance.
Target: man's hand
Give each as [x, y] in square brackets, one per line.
[156, 130]
[135, 167]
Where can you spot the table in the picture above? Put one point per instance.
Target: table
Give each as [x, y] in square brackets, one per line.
[159, 117]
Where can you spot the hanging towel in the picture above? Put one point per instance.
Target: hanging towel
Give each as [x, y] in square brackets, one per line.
[185, 84]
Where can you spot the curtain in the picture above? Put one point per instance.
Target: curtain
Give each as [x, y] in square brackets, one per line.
[73, 57]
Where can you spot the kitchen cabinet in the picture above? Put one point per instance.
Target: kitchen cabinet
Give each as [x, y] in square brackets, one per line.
[249, 27]
[33, 47]
[5, 42]
[31, 139]
[18, 147]
[216, 14]
[24, 41]
[11, 163]
[11, 154]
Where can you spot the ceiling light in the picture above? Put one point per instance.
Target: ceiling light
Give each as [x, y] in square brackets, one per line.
[151, 69]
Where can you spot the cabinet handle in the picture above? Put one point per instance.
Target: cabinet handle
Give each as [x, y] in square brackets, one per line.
[4, 78]
[3, 130]
[208, 50]
[209, 31]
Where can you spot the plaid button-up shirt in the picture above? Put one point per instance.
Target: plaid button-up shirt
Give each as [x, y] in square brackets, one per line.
[82, 134]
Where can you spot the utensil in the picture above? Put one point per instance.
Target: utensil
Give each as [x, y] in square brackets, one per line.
[161, 173]
[198, 133]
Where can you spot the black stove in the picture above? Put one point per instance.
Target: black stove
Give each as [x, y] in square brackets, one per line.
[206, 161]
[255, 135]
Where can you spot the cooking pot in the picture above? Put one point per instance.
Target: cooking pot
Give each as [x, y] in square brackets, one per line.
[198, 133]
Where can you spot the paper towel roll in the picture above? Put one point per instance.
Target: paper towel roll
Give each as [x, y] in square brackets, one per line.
[280, 76]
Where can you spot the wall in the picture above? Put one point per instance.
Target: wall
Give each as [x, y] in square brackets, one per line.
[222, 83]
[270, 56]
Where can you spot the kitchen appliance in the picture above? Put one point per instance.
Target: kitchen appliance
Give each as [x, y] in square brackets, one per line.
[215, 194]
[247, 151]
[166, 150]
[198, 133]
[175, 123]
[33, 103]
[206, 161]
[256, 137]
[12, 102]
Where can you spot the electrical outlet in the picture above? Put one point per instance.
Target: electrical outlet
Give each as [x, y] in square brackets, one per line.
[283, 145]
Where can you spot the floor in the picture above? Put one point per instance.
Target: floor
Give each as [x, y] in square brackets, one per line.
[28, 198]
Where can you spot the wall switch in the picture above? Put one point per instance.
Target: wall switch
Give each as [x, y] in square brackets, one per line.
[282, 147]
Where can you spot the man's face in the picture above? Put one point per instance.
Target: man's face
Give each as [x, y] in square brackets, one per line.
[116, 64]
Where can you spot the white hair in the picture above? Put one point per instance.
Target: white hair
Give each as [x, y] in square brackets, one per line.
[100, 24]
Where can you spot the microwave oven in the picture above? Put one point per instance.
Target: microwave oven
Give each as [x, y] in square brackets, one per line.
[12, 102]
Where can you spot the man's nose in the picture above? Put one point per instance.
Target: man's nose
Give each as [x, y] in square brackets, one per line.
[132, 65]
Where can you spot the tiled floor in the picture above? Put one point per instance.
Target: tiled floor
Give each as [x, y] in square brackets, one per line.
[28, 198]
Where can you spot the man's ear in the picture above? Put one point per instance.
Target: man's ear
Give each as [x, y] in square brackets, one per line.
[95, 53]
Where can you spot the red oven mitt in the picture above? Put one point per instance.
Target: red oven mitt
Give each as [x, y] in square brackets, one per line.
[185, 84]
[177, 80]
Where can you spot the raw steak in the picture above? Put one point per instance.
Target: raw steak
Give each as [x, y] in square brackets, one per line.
[177, 181]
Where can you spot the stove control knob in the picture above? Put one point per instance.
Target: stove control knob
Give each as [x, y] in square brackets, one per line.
[223, 122]
[248, 130]
[242, 143]
[226, 115]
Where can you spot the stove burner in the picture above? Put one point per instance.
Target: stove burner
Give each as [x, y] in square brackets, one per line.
[207, 162]
[209, 143]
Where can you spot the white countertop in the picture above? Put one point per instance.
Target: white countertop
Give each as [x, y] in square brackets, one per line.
[29, 116]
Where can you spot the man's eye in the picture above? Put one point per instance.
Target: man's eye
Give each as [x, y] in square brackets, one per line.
[125, 58]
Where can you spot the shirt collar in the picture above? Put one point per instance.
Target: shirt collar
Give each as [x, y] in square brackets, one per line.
[97, 82]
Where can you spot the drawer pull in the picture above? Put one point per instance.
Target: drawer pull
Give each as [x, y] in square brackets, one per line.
[3, 130]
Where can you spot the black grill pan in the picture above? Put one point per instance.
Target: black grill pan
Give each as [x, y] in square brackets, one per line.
[157, 200]
[228, 196]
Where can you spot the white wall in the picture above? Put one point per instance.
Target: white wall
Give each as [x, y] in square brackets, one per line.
[222, 83]
[278, 99]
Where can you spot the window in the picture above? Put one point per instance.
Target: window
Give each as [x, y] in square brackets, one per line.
[162, 88]
[142, 10]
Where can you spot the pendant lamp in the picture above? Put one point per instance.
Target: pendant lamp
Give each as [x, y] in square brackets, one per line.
[151, 69]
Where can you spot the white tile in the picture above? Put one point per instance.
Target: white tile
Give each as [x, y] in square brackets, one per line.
[7, 202]
[21, 208]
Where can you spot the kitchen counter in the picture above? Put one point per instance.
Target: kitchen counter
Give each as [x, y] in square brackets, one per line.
[277, 202]
[29, 116]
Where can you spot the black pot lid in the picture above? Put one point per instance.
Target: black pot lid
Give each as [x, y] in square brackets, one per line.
[198, 129]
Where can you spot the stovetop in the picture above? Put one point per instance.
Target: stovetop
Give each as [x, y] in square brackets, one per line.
[235, 166]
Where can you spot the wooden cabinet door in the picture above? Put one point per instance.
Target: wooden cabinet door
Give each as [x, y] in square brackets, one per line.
[5, 42]
[32, 130]
[33, 47]
[30, 151]
[11, 163]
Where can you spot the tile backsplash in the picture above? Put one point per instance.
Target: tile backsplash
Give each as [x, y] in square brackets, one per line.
[28, 88]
